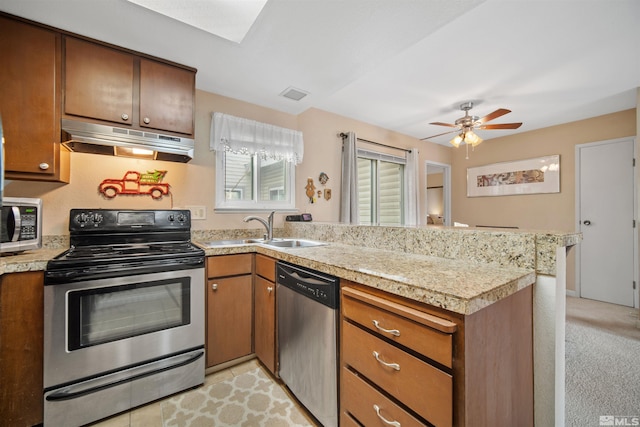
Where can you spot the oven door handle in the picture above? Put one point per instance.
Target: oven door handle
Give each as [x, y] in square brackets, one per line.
[126, 375]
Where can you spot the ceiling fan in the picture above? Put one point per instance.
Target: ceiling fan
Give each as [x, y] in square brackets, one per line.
[466, 125]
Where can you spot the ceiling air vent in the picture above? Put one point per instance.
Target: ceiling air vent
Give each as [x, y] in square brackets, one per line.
[293, 93]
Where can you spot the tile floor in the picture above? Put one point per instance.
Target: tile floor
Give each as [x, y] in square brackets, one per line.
[151, 415]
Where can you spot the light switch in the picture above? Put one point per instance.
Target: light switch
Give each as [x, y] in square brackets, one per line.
[198, 212]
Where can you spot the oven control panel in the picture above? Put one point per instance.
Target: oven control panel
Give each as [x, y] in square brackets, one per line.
[114, 219]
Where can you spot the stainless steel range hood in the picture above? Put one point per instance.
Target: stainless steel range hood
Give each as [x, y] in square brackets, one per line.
[114, 141]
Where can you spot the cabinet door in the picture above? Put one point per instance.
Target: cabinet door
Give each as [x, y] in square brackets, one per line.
[166, 97]
[29, 100]
[21, 352]
[229, 319]
[98, 82]
[265, 322]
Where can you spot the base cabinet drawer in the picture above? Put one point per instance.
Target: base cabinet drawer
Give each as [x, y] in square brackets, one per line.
[426, 334]
[420, 386]
[370, 407]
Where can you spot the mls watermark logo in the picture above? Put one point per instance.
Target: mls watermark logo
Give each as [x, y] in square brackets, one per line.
[613, 420]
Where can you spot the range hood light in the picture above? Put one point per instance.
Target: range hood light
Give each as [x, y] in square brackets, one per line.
[142, 152]
[138, 153]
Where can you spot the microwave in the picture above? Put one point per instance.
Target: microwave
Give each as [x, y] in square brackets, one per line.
[21, 224]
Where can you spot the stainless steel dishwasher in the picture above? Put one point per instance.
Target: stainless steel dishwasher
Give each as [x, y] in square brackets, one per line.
[307, 303]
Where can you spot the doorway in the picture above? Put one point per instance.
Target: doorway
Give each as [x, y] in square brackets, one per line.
[605, 213]
[438, 200]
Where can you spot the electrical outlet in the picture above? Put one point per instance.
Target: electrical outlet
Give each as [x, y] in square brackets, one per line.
[198, 212]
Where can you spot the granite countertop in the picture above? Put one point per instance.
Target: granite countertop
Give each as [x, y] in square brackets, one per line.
[35, 260]
[461, 286]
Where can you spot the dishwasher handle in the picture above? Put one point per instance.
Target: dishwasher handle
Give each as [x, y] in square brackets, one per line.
[302, 278]
[313, 284]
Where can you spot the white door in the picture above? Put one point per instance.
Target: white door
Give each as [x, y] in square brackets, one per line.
[606, 218]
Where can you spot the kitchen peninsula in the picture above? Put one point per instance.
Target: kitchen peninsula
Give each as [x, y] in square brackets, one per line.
[460, 273]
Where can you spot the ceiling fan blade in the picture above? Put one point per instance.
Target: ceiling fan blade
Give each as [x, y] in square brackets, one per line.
[443, 124]
[500, 126]
[440, 134]
[499, 112]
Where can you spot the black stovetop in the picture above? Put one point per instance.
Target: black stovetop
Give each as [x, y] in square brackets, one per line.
[116, 241]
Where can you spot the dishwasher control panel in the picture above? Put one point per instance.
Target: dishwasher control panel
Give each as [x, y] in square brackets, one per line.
[318, 286]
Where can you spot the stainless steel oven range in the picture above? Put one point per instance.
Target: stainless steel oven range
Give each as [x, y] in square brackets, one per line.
[124, 314]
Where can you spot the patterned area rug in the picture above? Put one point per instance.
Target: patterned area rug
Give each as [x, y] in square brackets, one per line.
[247, 400]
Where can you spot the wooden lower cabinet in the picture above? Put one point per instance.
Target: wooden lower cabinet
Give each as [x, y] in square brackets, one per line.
[264, 303]
[370, 406]
[229, 308]
[408, 362]
[21, 348]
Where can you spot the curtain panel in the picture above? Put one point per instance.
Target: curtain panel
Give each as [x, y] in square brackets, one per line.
[349, 190]
[412, 199]
[244, 136]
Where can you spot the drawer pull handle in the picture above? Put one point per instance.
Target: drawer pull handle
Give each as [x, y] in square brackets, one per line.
[388, 365]
[393, 332]
[384, 420]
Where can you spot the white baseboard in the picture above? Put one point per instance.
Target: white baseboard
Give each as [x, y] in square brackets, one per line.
[571, 293]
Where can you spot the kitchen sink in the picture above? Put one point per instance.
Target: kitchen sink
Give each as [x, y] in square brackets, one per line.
[293, 243]
[215, 243]
[279, 243]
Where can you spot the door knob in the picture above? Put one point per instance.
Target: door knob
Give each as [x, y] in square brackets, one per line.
[587, 222]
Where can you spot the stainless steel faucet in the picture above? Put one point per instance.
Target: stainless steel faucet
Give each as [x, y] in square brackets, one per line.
[268, 224]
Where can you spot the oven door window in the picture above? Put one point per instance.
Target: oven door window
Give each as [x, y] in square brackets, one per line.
[101, 315]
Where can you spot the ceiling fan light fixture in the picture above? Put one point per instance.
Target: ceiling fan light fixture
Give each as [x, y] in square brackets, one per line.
[456, 141]
[471, 138]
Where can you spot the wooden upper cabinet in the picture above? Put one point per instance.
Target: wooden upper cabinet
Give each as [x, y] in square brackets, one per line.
[30, 88]
[116, 86]
[166, 97]
[99, 82]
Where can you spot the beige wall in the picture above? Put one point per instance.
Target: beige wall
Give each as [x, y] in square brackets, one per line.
[534, 211]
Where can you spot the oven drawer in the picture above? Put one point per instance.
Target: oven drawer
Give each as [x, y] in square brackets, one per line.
[369, 406]
[428, 335]
[422, 387]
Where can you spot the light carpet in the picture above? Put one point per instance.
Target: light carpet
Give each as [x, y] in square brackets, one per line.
[247, 400]
[602, 363]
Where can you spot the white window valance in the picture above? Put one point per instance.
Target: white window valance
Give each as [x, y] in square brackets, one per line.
[244, 136]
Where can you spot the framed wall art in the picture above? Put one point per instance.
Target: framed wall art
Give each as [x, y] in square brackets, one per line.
[529, 176]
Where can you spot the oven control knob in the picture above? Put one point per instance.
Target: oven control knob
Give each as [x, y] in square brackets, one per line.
[171, 218]
[181, 218]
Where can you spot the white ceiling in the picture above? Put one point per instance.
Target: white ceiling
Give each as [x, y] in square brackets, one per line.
[398, 64]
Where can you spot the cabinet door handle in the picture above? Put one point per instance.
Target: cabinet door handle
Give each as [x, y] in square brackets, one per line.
[124, 117]
[270, 289]
[388, 365]
[393, 332]
[384, 420]
[146, 120]
[43, 166]
[214, 286]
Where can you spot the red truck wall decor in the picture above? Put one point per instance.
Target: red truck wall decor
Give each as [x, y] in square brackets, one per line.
[136, 183]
